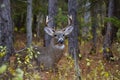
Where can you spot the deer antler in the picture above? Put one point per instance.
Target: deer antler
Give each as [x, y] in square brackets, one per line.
[69, 20]
[48, 20]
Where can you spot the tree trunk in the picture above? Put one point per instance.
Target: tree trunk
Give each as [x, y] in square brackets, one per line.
[87, 16]
[73, 47]
[29, 23]
[94, 14]
[73, 37]
[117, 8]
[6, 28]
[38, 27]
[52, 11]
[108, 36]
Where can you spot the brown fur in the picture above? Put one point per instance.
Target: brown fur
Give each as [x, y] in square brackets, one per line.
[49, 56]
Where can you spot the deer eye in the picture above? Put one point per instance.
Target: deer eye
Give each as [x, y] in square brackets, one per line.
[55, 35]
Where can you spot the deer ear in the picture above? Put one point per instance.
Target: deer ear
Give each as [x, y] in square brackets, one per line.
[68, 30]
[49, 31]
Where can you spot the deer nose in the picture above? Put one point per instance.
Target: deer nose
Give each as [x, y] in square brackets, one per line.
[61, 40]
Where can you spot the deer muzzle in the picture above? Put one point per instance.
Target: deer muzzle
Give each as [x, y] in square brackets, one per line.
[61, 40]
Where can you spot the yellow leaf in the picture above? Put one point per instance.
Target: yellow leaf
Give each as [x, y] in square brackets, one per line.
[106, 74]
[101, 50]
[35, 35]
[87, 59]
[88, 63]
[107, 49]
[3, 68]
[80, 55]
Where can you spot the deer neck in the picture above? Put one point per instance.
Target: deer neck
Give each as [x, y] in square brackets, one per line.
[56, 50]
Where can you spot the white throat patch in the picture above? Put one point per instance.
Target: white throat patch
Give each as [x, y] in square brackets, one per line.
[60, 47]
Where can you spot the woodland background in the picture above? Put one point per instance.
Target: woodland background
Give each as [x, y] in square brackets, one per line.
[95, 38]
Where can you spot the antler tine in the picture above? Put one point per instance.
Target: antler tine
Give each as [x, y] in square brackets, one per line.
[69, 20]
[48, 20]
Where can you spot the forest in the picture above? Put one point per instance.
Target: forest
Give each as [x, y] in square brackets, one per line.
[59, 39]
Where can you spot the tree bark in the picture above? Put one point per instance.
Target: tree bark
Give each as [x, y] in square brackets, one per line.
[29, 23]
[94, 14]
[73, 47]
[87, 16]
[38, 27]
[52, 11]
[117, 9]
[73, 37]
[108, 36]
[6, 28]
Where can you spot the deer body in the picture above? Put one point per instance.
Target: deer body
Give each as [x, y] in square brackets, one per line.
[48, 57]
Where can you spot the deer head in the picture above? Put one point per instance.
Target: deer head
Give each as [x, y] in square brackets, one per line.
[49, 56]
[59, 35]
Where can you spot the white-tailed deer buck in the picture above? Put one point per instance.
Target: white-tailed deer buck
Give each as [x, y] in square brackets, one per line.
[49, 56]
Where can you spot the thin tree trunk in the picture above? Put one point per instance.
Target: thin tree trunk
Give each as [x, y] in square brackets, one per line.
[39, 21]
[76, 64]
[117, 8]
[94, 14]
[108, 36]
[29, 23]
[52, 11]
[38, 27]
[73, 47]
[87, 16]
[6, 28]
[73, 37]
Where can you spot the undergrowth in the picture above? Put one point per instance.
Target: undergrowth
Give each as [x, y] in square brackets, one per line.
[23, 67]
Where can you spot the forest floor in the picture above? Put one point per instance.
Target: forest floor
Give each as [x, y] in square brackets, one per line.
[92, 66]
